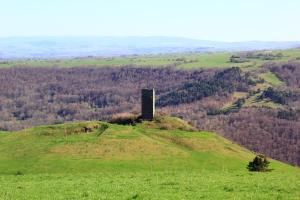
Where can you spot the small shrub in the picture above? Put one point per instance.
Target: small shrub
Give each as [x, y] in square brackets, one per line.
[125, 119]
[85, 194]
[19, 173]
[135, 196]
[259, 164]
[228, 189]
[102, 129]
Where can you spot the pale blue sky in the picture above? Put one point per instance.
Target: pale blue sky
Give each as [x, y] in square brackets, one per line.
[226, 20]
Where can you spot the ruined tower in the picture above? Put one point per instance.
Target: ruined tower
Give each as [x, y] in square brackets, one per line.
[148, 104]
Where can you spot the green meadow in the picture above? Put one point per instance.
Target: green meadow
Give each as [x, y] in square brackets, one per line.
[164, 159]
[183, 61]
[272, 79]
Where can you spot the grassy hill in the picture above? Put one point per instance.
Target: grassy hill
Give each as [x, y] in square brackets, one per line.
[164, 159]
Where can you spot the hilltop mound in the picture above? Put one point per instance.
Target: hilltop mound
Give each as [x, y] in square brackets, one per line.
[166, 158]
[70, 147]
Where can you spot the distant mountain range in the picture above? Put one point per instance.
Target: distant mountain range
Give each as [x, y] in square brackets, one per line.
[68, 47]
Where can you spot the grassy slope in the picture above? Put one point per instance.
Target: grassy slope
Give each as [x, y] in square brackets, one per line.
[161, 160]
[272, 79]
[193, 60]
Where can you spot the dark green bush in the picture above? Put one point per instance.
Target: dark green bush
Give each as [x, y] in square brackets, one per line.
[19, 173]
[259, 164]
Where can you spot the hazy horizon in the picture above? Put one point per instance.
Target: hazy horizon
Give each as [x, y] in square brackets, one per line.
[140, 36]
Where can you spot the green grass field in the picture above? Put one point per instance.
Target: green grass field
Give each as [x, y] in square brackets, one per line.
[272, 79]
[183, 61]
[165, 159]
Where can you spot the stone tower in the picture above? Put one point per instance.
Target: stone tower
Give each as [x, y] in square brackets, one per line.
[148, 104]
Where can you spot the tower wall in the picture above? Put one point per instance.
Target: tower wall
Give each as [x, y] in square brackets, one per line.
[148, 104]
